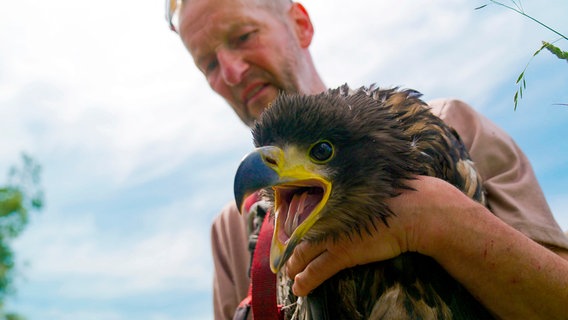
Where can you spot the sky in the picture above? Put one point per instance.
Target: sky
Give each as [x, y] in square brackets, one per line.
[138, 155]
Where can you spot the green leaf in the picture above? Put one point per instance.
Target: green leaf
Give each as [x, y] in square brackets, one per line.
[555, 50]
[520, 77]
[21, 194]
[538, 51]
[517, 7]
[10, 201]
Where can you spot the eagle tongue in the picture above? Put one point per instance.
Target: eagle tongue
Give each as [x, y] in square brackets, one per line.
[295, 210]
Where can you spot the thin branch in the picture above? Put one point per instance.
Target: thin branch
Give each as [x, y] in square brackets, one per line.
[521, 12]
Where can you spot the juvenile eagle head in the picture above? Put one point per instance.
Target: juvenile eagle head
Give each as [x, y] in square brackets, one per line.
[328, 162]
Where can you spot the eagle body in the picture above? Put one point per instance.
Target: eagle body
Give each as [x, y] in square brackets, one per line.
[327, 163]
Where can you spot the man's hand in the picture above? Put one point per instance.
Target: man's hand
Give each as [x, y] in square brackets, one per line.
[311, 264]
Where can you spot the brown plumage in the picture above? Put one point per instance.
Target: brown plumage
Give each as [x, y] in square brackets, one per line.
[328, 162]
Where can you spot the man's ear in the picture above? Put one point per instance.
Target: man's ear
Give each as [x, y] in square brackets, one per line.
[302, 24]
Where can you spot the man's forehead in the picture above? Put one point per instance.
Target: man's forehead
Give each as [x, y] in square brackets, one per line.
[216, 4]
[204, 24]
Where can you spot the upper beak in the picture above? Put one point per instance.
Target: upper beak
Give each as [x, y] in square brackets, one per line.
[256, 172]
[300, 192]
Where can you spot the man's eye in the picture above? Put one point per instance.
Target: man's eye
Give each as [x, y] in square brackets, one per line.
[244, 37]
[211, 65]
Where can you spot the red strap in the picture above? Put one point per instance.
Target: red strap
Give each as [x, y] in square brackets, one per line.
[263, 280]
[262, 290]
[250, 201]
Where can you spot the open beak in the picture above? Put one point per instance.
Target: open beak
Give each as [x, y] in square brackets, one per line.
[300, 193]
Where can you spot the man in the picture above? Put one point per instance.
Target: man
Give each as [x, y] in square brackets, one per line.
[249, 50]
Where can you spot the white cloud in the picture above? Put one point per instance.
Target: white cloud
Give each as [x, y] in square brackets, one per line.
[440, 48]
[111, 84]
[169, 254]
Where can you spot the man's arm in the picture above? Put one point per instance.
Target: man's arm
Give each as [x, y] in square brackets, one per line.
[510, 274]
[229, 243]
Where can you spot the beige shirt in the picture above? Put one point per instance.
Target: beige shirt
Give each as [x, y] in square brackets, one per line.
[513, 194]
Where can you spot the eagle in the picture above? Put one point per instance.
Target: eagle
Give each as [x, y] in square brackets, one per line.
[326, 164]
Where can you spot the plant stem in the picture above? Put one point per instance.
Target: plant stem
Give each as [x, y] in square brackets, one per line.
[527, 16]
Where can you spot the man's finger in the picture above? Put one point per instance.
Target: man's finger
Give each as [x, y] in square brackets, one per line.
[303, 254]
[321, 268]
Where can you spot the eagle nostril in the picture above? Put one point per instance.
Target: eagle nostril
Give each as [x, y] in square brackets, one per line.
[270, 160]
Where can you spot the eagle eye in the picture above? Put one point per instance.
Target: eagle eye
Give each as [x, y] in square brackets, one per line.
[321, 151]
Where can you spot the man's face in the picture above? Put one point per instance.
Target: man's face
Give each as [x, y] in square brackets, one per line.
[246, 52]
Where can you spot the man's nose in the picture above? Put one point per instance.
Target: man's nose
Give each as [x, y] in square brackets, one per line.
[232, 66]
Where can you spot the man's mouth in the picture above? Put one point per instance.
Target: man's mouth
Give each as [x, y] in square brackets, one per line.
[251, 92]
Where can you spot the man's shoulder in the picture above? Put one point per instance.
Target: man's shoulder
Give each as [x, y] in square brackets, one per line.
[449, 107]
[229, 215]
